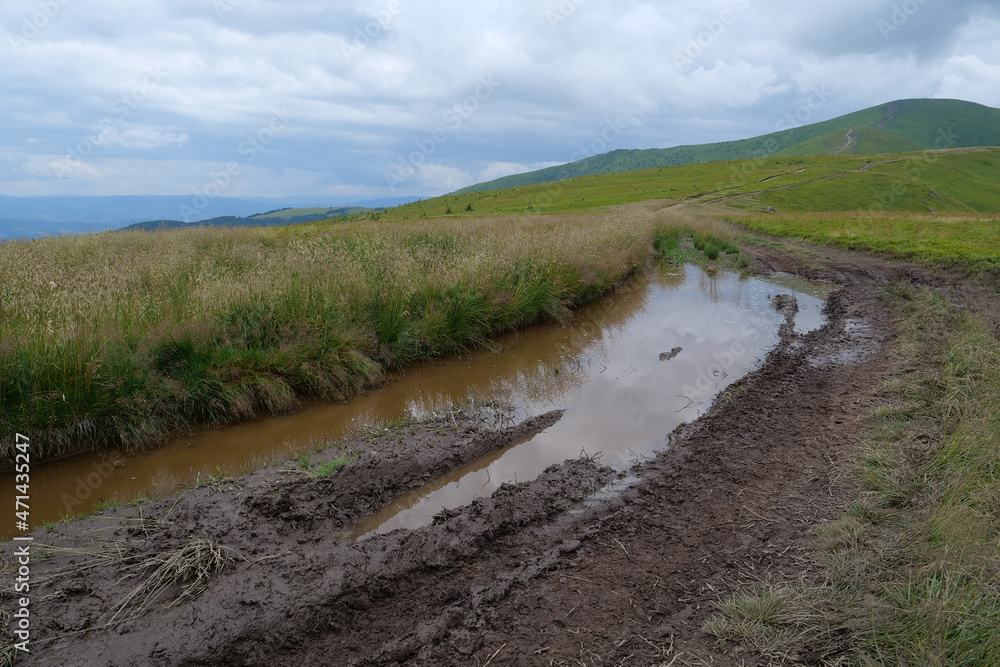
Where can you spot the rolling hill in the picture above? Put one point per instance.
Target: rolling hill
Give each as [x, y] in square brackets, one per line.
[895, 127]
[285, 216]
[54, 215]
[958, 180]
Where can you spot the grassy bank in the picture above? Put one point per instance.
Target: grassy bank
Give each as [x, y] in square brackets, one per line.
[970, 242]
[119, 338]
[913, 563]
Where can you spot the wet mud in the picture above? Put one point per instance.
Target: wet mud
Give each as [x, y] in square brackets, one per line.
[555, 570]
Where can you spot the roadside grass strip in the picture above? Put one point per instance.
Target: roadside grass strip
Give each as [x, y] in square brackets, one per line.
[913, 564]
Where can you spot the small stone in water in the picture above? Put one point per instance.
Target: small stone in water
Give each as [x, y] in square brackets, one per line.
[667, 356]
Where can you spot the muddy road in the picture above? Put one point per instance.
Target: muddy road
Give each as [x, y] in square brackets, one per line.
[605, 367]
[265, 569]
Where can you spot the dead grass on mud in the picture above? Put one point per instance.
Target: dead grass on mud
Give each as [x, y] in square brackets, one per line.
[912, 564]
[187, 569]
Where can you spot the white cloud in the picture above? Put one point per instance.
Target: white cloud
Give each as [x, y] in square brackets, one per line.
[969, 77]
[70, 172]
[144, 138]
[500, 169]
[442, 178]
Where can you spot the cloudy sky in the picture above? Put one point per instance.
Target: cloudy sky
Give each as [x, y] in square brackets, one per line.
[372, 98]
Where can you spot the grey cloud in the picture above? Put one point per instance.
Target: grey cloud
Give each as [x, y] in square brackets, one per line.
[923, 28]
[564, 68]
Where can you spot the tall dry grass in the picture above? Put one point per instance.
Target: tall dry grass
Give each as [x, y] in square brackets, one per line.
[118, 338]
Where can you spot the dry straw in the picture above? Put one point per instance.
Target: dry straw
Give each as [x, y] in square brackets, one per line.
[188, 569]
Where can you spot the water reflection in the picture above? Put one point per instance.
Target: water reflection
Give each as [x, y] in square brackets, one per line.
[625, 399]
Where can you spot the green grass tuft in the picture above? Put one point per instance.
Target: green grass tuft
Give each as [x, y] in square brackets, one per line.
[667, 241]
[331, 466]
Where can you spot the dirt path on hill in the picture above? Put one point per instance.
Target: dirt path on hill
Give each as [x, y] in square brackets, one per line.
[534, 575]
[714, 198]
[851, 141]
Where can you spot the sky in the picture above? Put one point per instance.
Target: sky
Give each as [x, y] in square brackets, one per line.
[378, 98]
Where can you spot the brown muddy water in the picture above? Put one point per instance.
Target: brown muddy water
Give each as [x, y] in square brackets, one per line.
[621, 399]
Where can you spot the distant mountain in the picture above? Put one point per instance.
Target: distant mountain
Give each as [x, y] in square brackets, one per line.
[278, 218]
[27, 217]
[896, 127]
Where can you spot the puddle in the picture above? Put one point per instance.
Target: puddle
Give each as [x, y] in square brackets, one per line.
[604, 368]
[631, 387]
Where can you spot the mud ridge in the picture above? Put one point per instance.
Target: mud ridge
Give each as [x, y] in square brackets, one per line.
[291, 534]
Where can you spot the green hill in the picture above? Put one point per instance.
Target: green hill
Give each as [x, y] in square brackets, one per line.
[901, 126]
[285, 216]
[954, 181]
[958, 180]
[310, 214]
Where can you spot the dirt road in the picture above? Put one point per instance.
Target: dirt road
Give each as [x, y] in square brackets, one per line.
[534, 575]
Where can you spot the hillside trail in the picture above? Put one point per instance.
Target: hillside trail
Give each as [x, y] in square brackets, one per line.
[890, 114]
[851, 141]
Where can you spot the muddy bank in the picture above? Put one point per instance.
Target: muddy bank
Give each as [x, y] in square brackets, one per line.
[271, 526]
[528, 576]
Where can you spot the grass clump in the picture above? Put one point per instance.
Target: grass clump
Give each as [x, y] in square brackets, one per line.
[111, 503]
[913, 563]
[775, 622]
[667, 241]
[713, 245]
[331, 466]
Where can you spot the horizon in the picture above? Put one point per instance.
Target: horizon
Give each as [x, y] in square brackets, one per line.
[379, 99]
